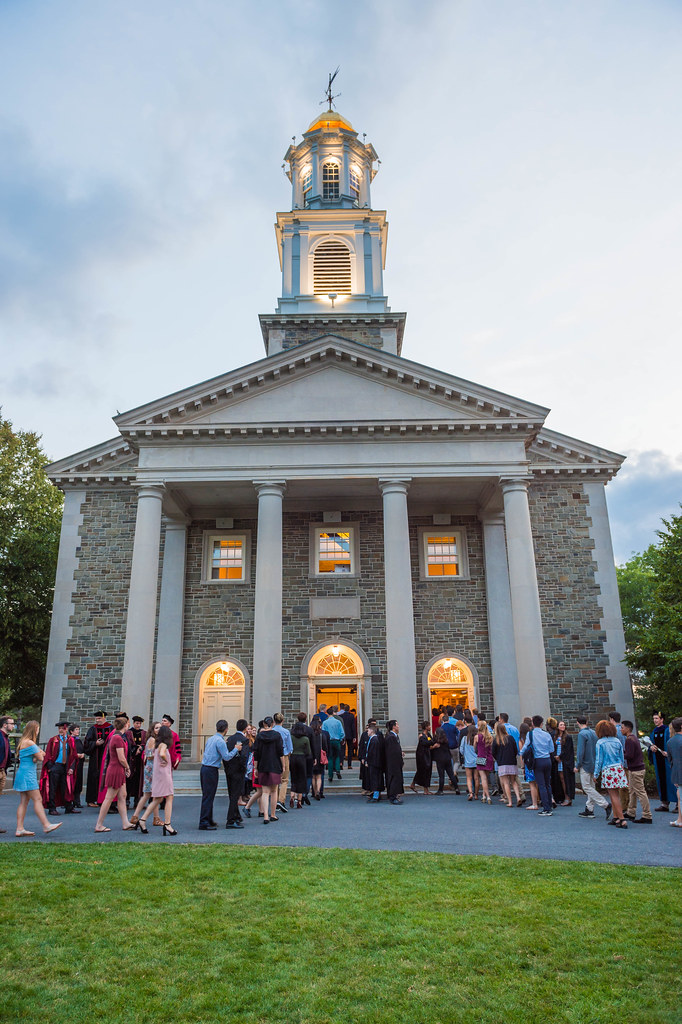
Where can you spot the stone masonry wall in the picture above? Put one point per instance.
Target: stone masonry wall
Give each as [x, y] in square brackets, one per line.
[362, 333]
[569, 600]
[95, 664]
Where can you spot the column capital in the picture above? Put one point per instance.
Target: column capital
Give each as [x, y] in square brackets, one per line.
[394, 485]
[491, 518]
[175, 523]
[514, 483]
[274, 488]
[149, 490]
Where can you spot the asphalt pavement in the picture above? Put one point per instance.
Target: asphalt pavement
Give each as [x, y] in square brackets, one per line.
[447, 824]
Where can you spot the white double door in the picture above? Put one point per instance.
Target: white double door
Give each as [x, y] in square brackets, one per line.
[220, 702]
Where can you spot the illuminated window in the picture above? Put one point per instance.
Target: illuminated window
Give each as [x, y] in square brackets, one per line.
[330, 181]
[336, 663]
[306, 181]
[331, 269]
[226, 557]
[442, 554]
[333, 550]
[354, 177]
[224, 674]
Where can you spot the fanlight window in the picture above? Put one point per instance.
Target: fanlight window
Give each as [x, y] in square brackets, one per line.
[339, 664]
[330, 181]
[448, 672]
[331, 270]
[225, 674]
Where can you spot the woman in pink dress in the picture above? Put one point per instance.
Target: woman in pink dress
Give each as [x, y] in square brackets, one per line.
[117, 772]
[162, 783]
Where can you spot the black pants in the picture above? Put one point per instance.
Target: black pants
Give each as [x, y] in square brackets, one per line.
[445, 768]
[543, 777]
[209, 786]
[57, 776]
[235, 785]
[349, 751]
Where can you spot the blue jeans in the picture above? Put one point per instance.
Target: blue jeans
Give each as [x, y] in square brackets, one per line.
[543, 777]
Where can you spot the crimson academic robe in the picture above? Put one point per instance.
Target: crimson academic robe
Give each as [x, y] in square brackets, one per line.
[51, 755]
[96, 755]
[175, 750]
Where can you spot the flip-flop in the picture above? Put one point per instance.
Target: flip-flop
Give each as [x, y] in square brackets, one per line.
[98, 830]
[51, 828]
[25, 832]
[128, 828]
[675, 824]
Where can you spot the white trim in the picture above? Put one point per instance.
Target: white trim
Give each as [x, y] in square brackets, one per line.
[455, 656]
[460, 535]
[363, 681]
[198, 693]
[207, 555]
[315, 529]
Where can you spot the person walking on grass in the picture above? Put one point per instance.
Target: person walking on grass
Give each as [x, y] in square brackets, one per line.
[634, 766]
[584, 766]
[610, 764]
[27, 754]
[162, 782]
[115, 779]
[505, 752]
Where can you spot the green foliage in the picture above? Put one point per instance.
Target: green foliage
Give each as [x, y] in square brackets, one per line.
[200, 934]
[650, 587]
[30, 517]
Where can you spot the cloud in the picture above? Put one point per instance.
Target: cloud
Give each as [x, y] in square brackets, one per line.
[647, 489]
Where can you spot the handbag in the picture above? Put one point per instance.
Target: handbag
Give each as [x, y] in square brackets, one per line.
[323, 757]
[481, 761]
[528, 753]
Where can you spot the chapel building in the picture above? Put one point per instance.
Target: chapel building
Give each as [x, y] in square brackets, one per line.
[335, 521]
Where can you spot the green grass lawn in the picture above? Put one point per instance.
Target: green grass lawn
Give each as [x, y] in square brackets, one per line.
[217, 933]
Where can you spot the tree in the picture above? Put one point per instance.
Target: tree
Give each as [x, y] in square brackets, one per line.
[650, 587]
[30, 517]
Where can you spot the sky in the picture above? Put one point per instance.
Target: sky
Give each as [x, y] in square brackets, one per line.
[531, 154]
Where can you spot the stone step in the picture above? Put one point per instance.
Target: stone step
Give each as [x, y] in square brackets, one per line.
[186, 781]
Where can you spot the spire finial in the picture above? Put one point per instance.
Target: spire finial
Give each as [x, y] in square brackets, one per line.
[328, 91]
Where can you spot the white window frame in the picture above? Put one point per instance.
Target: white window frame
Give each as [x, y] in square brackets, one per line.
[207, 558]
[460, 535]
[352, 529]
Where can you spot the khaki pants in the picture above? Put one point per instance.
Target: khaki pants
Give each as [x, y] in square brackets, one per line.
[3, 780]
[590, 791]
[638, 792]
[282, 791]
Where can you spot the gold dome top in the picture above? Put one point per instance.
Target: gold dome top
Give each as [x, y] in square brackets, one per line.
[331, 118]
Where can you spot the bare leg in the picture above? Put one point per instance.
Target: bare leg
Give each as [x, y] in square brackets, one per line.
[141, 804]
[104, 809]
[122, 806]
[504, 779]
[483, 776]
[534, 796]
[38, 808]
[252, 799]
[152, 807]
[168, 810]
[264, 803]
[470, 781]
[516, 787]
[477, 782]
[273, 801]
[21, 811]
[317, 782]
[616, 804]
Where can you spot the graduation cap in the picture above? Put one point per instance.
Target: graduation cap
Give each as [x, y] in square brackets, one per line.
[138, 718]
[100, 714]
[121, 714]
[58, 725]
[169, 719]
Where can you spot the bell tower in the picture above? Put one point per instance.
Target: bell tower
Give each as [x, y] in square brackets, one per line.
[332, 245]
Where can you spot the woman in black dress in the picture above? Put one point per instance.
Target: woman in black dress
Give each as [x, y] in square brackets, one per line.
[320, 746]
[297, 763]
[422, 776]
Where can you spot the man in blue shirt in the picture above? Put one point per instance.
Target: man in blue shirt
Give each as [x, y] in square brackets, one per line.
[288, 747]
[543, 746]
[511, 729]
[215, 752]
[337, 736]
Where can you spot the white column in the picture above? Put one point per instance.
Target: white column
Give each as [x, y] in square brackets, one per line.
[612, 620]
[62, 610]
[525, 600]
[400, 653]
[500, 622]
[267, 627]
[171, 621]
[138, 657]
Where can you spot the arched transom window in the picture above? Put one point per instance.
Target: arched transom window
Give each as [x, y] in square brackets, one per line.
[335, 661]
[448, 672]
[331, 269]
[225, 673]
[330, 181]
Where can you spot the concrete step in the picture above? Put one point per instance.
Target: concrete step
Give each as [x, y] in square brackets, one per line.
[186, 781]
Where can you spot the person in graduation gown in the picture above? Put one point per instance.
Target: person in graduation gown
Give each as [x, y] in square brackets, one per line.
[137, 738]
[57, 776]
[659, 742]
[422, 776]
[175, 748]
[95, 746]
[394, 757]
[362, 751]
[75, 733]
[374, 759]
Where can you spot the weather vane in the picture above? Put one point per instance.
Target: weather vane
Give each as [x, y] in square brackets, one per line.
[328, 92]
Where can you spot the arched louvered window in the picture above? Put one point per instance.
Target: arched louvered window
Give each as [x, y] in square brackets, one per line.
[330, 181]
[331, 271]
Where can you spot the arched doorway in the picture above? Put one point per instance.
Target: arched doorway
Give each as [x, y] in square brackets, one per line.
[449, 679]
[222, 689]
[337, 672]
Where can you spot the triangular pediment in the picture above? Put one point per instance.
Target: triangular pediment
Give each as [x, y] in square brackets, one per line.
[110, 460]
[331, 381]
[551, 452]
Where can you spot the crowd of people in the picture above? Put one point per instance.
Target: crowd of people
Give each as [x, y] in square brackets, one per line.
[270, 765]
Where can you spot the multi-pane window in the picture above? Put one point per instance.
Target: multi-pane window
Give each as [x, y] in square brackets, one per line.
[330, 181]
[354, 179]
[306, 181]
[331, 269]
[442, 556]
[226, 557]
[334, 551]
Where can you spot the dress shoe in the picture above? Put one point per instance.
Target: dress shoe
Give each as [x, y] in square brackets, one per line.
[641, 821]
[208, 828]
[3, 830]
[54, 811]
[214, 823]
[236, 824]
[73, 811]
[306, 801]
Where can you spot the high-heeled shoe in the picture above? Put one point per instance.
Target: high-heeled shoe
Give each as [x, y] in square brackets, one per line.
[291, 801]
[168, 830]
[141, 827]
[471, 796]
[299, 804]
[157, 820]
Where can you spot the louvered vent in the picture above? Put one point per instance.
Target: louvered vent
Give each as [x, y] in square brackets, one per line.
[332, 269]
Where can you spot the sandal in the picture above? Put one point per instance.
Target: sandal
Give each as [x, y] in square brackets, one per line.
[97, 830]
[620, 823]
[521, 802]
[673, 824]
[157, 820]
[25, 832]
[51, 828]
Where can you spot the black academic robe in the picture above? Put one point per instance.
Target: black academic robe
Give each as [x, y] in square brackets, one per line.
[568, 765]
[95, 755]
[362, 750]
[393, 754]
[374, 757]
[422, 776]
[136, 739]
[78, 770]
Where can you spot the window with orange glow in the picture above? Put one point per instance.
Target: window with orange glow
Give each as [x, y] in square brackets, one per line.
[226, 557]
[334, 550]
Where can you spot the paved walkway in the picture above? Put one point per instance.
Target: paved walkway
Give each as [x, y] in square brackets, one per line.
[448, 824]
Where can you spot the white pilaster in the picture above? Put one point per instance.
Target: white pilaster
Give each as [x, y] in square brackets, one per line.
[612, 620]
[400, 652]
[525, 600]
[171, 621]
[500, 621]
[62, 610]
[267, 629]
[138, 657]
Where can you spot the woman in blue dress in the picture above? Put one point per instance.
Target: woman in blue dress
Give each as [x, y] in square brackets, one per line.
[26, 780]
